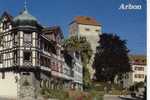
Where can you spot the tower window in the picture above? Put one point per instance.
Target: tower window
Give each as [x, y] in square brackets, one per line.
[96, 30]
[27, 56]
[87, 29]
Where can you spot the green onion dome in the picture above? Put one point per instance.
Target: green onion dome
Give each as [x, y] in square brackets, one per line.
[25, 19]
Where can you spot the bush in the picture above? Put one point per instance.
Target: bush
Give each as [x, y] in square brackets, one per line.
[133, 94]
[59, 94]
[116, 92]
[72, 95]
[97, 95]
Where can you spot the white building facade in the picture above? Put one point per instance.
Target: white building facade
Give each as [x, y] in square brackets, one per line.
[138, 73]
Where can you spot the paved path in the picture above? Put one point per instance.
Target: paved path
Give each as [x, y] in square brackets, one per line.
[1, 98]
[111, 97]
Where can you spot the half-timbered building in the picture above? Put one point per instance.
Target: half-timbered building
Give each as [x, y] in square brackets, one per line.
[32, 57]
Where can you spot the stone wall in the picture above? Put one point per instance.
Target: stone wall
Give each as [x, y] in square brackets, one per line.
[28, 86]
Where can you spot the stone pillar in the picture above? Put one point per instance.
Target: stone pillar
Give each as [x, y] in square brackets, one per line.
[34, 52]
[28, 86]
[20, 51]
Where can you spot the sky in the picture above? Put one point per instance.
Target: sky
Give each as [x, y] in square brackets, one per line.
[130, 25]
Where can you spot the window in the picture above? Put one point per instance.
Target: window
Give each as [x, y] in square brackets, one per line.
[87, 29]
[3, 75]
[136, 76]
[139, 76]
[77, 55]
[1, 58]
[15, 38]
[41, 83]
[4, 26]
[15, 56]
[41, 61]
[27, 56]
[139, 68]
[142, 76]
[96, 30]
[27, 37]
[0, 41]
[26, 73]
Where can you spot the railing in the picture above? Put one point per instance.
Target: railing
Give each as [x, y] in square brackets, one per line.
[27, 44]
[27, 63]
[53, 55]
[45, 68]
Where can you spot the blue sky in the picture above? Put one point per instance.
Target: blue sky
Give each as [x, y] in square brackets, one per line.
[129, 25]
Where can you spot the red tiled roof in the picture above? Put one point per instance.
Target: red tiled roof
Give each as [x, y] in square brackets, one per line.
[85, 20]
[138, 59]
[53, 30]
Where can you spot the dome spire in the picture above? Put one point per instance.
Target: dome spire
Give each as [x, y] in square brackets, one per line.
[25, 18]
[25, 5]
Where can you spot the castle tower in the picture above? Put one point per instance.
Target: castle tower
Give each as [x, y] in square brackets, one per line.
[89, 28]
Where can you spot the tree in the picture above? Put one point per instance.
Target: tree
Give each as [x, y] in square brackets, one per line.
[111, 58]
[80, 45]
[145, 89]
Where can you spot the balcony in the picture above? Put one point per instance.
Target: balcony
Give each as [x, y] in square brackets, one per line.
[58, 57]
[46, 53]
[45, 68]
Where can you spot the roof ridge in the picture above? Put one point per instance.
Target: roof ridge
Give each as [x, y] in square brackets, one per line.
[86, 20]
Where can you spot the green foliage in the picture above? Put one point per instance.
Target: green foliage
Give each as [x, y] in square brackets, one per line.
[97, 95]
[115, 92]
[75, 44]
[71, 95]
[139, 84]
[56, 94]
[145, 89]
[145, 93]
[111, 58]
[86, 78]
[136, 86]
[80, 45]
